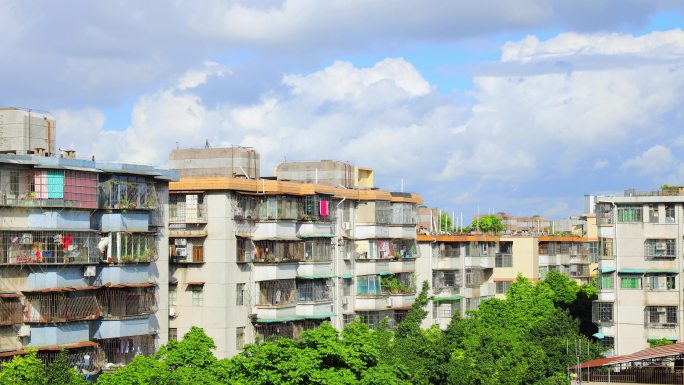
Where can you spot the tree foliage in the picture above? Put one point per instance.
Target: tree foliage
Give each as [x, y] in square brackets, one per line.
[488, 224]
[527, 338]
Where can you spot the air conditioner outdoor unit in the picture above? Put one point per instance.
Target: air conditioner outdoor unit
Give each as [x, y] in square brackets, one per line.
[24, 331]
[180, 242]
[661, 246]
[89, 271]
[172, 312]
[181, 252]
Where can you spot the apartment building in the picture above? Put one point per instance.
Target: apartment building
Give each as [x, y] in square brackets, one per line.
[83, 256]
[254, 258]
[640, 251]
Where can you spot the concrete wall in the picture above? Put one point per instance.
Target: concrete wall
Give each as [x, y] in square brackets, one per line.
[213, 162]
[23, 131]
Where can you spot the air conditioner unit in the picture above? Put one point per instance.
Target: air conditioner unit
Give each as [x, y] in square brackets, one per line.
[389, 302]
[90, 271]
[180, 241]
[181, 252]
[661, 245]
[172, 312]
[24, 331]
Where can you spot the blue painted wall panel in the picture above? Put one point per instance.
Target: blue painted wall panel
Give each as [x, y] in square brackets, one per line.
[124, 274]
[57, 276]
[58, 220]
[121, 328]
[60, 334]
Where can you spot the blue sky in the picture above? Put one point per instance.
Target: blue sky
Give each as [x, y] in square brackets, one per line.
[520, 107]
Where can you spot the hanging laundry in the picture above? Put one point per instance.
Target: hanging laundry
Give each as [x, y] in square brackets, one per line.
[67, 240]
[323, 208]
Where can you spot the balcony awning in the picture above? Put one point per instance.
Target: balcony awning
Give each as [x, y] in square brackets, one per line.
[10, 295]
[195, 283]
[319, 316]
[123, 285]
[62, 289]
[295, 318]
[662, 271]
[607, 270]
[315, 235]
[383, 273]
[275, 238]
[447, 299]
[347, 276]
[599, 335]
[316, 276]
[631, 271]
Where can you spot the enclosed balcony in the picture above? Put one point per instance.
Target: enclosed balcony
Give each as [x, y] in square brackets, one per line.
[49, 247]
[126, 301]
[187, 250]
[127, 192]
[121, 351]
[602, 313]
[123, 247]
[370, 294]
[187, 208]
[259, 207]
[449, 281]
[277, 299]
[62, 305]
[10, 309]
[48, 188]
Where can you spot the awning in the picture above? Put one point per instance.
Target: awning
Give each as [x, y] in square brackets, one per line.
[383, 273]
[672, 350]
[315, 235]
[347, 276]
[599, 335]
[447, 299]
[607, 270]
[656, 271]
[195, 283]
[123, 285]
[630, 271]
[318, 276]
[319, 316]
[62, 289]
[281, 238]
[295, 318]
[10, 295]
[84, 344]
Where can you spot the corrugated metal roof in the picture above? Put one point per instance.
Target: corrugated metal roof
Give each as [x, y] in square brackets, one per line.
[62, 289]
[122, 285]
[195, 283]
[676, 349]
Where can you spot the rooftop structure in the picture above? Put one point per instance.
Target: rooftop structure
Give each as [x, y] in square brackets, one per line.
[330, 172]
[231, 162]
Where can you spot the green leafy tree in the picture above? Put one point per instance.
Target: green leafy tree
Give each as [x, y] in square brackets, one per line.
[445, 222]
[23, 370]
[488, 224]
[59, 372]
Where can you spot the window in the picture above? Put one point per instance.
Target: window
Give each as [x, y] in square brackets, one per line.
[277, 292]
[446, 279]
[173, 296]
[502, 287]
[606, 281]
[670, 213]
[244, 250]
[630, 282]
[446, 309]
[605, 247]
[313, 290]
[659, 248]
[240, 338]
[503, 260]
[607, 343]
[368, 285]
[197, 296]
[661, 282]
[653, 215]
[173, 334]
[604, 213]
[660, 316]
[474, 277]
[348, 318]
[240, 295]
[602, 312]
[628, 214]
[346, 286]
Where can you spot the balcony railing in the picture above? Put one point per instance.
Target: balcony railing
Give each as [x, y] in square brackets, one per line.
[10, 309]
[127, 301]
[127, 195]
[65, 305]
[49, 247]
[188, 212]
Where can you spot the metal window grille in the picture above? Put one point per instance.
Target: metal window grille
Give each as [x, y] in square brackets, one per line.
[564, 248]
[241, 297]
[661, 281]
[197, 296]
[653, 214]
[123, 350]
[670, 213]
[278, 251]
[318, 250]
[452, 250]
[313, 290]
[245, 207]
[605, 247]
[129, 302]
[383, 212]
[601, 312]
[474, 277]
[277, 292]
[133, 247]
[403, 214]
[503, 260]
[604, 213]
[173, 296]
[187, 208]
[245, 250]
[63, 306]
[48, 247]
[173, 334]
[127, 192]
[660, 248]
[48, 188]
[239, 338]
[294, 329]
[88, 359]
[630, 213]
[660, 316]
[446, 279]
[607, 281]
[10, 311]
[502, 287]
[374, 318]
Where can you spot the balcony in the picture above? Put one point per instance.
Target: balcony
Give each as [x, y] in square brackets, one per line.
[405, 265]
[445, 263]
[59, 334]
[315, 269]
[372, 302]
[10, 309]
[129, 301]
[49, 248]
[402, 300]
[372, 231]
[187, 208]
[402, 231]
[125, 248]
[285, 231]
[133, 345]
[274, 271]
[48, 188]
[188, 254]
[127, 193]
[483, 262]
[106, 329]
[62, 305]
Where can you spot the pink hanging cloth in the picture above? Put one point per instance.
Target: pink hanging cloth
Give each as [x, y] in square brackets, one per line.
[323, 208]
